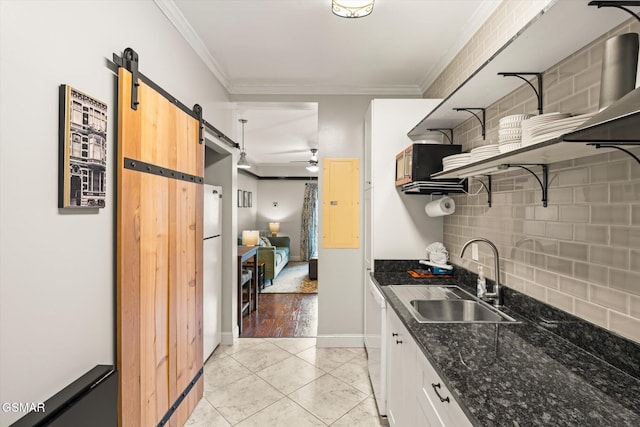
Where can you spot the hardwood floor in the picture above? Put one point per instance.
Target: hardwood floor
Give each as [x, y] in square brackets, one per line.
[283, 315]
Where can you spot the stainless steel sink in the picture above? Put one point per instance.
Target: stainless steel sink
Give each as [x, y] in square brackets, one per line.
[446, 304]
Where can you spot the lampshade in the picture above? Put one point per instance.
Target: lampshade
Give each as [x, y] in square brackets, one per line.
[242, 162]
[274, 227]
[352, 8]
[250, 237]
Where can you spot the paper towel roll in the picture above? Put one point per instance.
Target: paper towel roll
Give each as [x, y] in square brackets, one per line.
[440, 207]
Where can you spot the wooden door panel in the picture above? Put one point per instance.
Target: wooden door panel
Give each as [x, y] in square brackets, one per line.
[340, 203]
[159, 260]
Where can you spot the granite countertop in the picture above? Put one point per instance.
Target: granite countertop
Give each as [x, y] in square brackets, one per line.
[550, 369]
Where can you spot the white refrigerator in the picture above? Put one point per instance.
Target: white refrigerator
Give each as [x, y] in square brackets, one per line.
[212, 269]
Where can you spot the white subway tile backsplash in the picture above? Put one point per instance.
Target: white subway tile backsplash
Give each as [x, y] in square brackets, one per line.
[608, 298]
[559, 230]
[560, 265]
[577, 251]
[606, 255]
[598, 234]
[591, 273]
[546, 278]
[560, 300]
[610, 214]
[573, 177]
[610, 171]
[626, 193]
[634, 306]
[629, 237]
[591, 312]
[575, 213]
[591, 193]
[573, 287]
[625, 325]
[625, 281]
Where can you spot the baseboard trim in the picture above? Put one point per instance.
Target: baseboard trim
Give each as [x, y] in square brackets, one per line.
[346, 340]
[227, 338]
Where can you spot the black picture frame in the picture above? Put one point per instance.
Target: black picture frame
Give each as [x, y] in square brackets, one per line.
[250, 200]
[82, 158]
[245, 199]
[240, 199]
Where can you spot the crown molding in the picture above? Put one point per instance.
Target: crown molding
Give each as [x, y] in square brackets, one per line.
[400, 90]
[175, 16]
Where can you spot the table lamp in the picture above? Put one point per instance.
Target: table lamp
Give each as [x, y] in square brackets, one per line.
[250, 237]
[274, 227]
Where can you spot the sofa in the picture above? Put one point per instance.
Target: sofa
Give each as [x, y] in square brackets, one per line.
[274, 252]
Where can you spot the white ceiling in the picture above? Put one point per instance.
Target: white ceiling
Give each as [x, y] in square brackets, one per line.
[300, 47]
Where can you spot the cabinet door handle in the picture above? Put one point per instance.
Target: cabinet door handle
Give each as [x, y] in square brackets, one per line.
[393, 334]
[435, 388]
[398, 341]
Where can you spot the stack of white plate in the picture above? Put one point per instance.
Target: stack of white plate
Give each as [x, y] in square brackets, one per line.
[455, 161]
[484, 152]
[534, 124]
[510, 132]
[556, 128]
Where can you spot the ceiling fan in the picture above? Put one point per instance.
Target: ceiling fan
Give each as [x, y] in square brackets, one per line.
[312, 162]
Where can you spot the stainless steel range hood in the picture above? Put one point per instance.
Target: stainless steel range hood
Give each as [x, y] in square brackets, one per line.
[619, 123]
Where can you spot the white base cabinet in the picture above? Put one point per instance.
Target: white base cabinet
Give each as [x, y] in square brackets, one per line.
[401, 373]
[416, 396]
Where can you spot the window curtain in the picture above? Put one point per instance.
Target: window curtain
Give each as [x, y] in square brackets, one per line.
[309, 231]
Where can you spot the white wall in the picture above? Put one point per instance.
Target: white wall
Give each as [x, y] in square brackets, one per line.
[247, 217]
[289, 195]
[401, 228]
[57, 276]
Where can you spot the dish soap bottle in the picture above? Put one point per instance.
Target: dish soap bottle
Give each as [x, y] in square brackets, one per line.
[481, 287]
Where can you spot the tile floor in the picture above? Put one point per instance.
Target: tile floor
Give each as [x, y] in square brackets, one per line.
[286, 382]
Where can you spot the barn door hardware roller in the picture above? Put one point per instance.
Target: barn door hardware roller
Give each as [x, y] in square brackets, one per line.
[130, 63]
[481, 120]
[537, 91]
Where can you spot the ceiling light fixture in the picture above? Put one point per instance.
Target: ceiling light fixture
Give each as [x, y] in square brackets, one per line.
[313, 166]
[242, 162]
[352, 8]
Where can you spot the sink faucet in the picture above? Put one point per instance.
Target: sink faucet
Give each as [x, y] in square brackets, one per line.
[496, 295]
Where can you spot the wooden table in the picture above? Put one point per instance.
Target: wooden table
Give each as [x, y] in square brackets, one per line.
[244, 254]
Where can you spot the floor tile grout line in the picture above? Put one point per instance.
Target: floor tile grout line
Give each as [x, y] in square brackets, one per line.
[217, 411]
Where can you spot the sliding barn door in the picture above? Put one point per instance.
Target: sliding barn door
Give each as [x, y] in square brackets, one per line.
[159, 259]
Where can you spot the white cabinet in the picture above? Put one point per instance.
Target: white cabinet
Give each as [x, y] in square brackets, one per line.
[401, 373]
[416, 396]
[435, 404]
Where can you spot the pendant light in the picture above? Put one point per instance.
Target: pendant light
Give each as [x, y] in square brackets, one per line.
[242, 162]
[352, 8]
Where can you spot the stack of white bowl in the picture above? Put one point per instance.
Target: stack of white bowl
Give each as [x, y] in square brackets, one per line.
[455, 161]
[510, 132]
[484, 152]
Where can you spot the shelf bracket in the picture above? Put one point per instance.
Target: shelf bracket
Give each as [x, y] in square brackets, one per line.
[616, 4]
[537, 91]
[487, 187]
[617, 147]
[544, 182]
[442, 131]
[481, 120]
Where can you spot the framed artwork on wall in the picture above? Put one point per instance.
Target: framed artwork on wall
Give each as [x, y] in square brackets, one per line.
[250, 201]
[245, 199]
[82, 159]
[240, 198]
